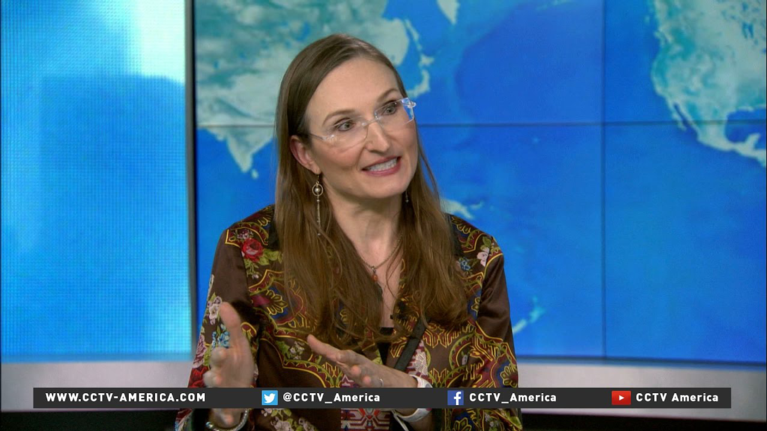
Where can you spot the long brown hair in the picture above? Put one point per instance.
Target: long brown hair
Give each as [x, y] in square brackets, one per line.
[342, 302]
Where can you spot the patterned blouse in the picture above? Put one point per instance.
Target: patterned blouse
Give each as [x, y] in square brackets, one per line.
[248, 267]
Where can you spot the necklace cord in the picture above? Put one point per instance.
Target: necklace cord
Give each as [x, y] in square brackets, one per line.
[374, 268]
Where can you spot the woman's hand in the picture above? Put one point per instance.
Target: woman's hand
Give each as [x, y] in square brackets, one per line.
[362, 370]
[230, 368]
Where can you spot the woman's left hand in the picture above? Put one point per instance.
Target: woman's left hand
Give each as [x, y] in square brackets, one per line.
[368, 374]
[362, 370]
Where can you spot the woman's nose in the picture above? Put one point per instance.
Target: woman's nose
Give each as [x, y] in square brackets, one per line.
[376, 138]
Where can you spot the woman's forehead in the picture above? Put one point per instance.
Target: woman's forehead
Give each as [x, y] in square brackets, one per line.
[356, 84]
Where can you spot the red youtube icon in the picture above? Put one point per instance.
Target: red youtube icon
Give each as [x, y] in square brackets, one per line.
[621, 398]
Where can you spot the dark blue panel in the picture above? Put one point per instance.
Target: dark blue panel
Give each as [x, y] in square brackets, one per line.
[508, 62]
[537, 190]
[685, 247]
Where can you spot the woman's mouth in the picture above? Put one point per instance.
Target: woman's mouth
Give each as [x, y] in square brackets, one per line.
[382, 166]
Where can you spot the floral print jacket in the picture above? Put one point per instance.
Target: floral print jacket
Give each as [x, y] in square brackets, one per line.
[248, 267]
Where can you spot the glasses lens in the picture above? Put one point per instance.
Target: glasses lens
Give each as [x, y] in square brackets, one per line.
[353, 131]
[395, 114]
[389, 116]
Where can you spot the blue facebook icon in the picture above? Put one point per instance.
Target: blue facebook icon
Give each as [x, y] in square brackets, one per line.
[454, 398]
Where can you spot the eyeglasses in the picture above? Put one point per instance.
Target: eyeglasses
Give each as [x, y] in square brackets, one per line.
[348, 132]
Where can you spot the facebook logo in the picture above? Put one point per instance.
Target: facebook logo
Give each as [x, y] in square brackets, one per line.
[454, 398]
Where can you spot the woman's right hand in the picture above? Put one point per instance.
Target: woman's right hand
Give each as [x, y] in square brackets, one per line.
[231, 367]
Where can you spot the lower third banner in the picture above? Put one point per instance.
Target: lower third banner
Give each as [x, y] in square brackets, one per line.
[336, 398]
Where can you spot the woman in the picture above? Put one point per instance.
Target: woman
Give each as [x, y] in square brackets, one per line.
[354, 260]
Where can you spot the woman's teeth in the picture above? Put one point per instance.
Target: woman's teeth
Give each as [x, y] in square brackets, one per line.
[383, 166]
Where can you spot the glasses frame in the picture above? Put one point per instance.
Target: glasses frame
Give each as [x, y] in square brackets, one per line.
[406, 103]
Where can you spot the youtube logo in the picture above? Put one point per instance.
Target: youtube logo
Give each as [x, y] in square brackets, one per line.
[621, 398]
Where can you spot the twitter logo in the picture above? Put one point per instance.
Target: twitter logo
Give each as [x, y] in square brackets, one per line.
[269, 398]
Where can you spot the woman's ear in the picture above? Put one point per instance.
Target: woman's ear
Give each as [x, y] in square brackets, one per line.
[303, 154]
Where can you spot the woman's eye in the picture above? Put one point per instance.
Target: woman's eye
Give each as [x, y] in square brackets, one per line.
[389, 109]
[344, 126]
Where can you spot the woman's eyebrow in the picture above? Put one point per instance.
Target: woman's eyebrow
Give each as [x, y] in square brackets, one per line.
[386, 93]
[339, 112]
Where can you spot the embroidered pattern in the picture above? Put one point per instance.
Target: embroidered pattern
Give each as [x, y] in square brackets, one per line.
[466, 357]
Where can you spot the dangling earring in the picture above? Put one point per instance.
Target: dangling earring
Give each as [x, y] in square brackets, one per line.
[318, 191]
[407, 197]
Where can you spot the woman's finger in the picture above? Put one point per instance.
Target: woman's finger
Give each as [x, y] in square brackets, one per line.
[218, 357]
[228, 416]
[339, 357]
[355, 366]
[209, 378]
[350, 358]
[233, 324]
[319, 347]
[368, 381]
[355, 371]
